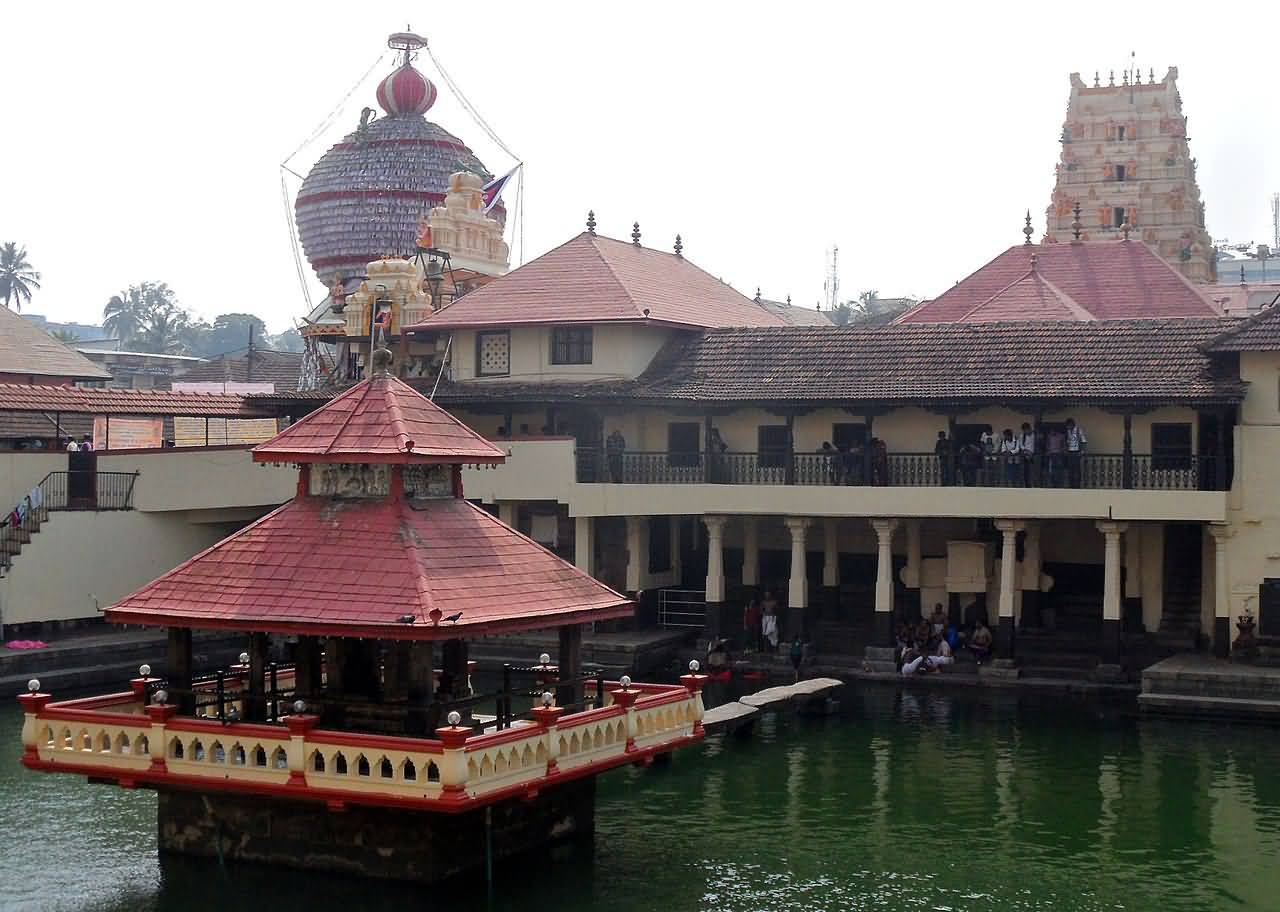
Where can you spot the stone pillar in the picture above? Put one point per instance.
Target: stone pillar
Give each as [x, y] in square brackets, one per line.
[677, 566]
[882, 629]
[1132, 605]
[420, 681]
[714, 595]
[1111, 592]
[178, 669]
[797, 581]
[584, 544]
[1221, 591]
[256, 705]
[1031, 568]
[830, 566]
[1009, 529]
[569, 690]
[750, 551]
[508, 512]
[637, 553]
[911, 572]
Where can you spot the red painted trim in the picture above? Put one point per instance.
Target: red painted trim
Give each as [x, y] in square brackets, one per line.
[375, 742]
[234, 731]
[95, 718]
[372, 194]
[414, 458]
[119, 697]
[592, 715]
[506, 736]
[391, 631]
[405, 141]
[446, 803]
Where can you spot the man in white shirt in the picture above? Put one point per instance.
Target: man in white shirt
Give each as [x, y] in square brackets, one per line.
[1027, 441]
[1076, 441]
[1011, 456]
[72, 446]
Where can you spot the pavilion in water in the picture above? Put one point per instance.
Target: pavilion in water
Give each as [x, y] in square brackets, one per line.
[367, 728]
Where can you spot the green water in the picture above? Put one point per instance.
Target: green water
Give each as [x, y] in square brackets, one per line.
[905, 802]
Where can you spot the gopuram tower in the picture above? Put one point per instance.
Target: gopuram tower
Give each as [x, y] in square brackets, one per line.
[1127, 171]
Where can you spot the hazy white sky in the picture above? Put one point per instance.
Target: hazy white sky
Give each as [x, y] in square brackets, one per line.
[143, 140]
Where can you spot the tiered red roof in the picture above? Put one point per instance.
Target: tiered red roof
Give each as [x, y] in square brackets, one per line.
[322, 567]
[386, 567]
[1101, 280]
[593, 279]
[381, 420]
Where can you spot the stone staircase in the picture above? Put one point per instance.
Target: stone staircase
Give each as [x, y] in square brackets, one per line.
[1191, 684]
[1061, 655]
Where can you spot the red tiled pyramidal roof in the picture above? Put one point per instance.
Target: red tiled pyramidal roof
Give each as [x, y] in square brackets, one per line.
[594, 279]
[380, 420]
[377, 569]
[1101, 280]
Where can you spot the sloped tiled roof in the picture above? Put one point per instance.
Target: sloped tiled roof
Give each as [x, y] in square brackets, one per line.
[1102, 280]
[1094, 360]
[793, 315]
[594, 279]
[25, 348]
[17, 397]
[280, 368]
[317, 566]
[1260, 332]
[380, 420]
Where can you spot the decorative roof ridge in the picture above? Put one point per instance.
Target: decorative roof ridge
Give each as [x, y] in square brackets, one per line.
[421, 579]
[593, 239]
[1243, 324]
[395, 414]
[1072, 304]
[1031, 272]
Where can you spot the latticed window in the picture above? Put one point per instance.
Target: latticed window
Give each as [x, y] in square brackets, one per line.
[493, 354]
[571, 345]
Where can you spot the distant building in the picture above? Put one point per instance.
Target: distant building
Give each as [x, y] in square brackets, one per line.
[136, 370]
[794, 315]
[1125, 160]
[279, 369]
[30, 355]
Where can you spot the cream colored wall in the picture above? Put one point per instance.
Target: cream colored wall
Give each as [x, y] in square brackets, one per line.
[1261, 370]
[22, 471]
[80, 563]
[198, 479]
[534, 470]
[617, 350]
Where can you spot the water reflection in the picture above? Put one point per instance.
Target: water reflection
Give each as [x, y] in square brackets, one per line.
[957, 802]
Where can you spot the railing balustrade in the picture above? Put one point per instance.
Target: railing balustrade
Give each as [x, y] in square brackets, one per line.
[1092, 470]
[58, 491]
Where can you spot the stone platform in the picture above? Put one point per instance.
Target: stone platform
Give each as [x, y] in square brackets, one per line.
[378, 842]
[1198, 684]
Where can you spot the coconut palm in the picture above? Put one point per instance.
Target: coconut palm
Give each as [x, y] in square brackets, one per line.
[17, 278]
[166, 328]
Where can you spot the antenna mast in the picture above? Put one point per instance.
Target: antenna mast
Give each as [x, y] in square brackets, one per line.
[831, 288]
[1275, 221]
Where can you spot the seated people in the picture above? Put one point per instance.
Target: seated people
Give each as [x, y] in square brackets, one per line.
[980, 641]
[913, 660]
[938, 620]
[941, 655]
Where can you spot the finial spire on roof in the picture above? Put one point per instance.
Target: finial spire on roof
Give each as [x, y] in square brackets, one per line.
[788, 300]
[1027, 230]
[1075, 223]
[1034, 258]
[757, 297]
[1125, 229]
[1113, 77]
[679, 248]
[1096, 80]
[380, 363]
[635, 234]
[591, 222]
[1242, 282]
[1151, 77]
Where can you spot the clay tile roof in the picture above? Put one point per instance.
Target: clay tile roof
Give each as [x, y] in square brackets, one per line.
[1103, 280]
[105, 401]
[1260, 332]
[1113, 360]
[321, 567]
[25, 348]
[381, 420]
[593, 279]
[277, 367]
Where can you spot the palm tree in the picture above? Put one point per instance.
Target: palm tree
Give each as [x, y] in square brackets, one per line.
[124, 314]
[166, 329]
[17, 278]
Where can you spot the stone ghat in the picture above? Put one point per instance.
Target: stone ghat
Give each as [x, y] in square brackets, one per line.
[1201, 685]
[741, 714]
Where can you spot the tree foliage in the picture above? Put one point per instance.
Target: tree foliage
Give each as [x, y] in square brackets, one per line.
[147, 317]
[17, 276]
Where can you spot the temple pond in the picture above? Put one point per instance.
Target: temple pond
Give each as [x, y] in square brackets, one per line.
[928, 801]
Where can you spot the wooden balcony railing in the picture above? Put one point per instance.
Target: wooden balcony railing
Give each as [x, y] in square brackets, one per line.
[1091, 470]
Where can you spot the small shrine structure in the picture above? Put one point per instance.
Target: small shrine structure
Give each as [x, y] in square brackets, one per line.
[371, 747]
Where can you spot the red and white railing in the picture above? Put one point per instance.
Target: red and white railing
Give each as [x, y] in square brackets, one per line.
[118, 737]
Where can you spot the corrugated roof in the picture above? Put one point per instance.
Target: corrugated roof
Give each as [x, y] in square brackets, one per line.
[16, 397]
[594, 279]
[318, 566]
[25, 348]
[380, 420]
[280, 368]
[1102, 280]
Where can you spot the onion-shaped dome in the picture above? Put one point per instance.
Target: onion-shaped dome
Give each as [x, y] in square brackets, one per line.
[364, 198]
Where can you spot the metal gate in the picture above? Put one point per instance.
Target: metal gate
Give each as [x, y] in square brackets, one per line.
[682, 608]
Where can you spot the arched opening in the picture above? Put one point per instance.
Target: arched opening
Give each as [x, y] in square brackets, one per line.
[385, 769]
[259, 756]
[408, 772]
[317, 762]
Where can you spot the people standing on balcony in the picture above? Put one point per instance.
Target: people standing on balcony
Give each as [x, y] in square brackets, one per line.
[988, 444]
[1055, 447]
[716, 448]
[86, 444]
[614, 447]
[1076, 443]
[946, 456]
[1011, 457]
[829, 464]
[72, 446]
[1027, 441]
[970, 458]
[879, 462]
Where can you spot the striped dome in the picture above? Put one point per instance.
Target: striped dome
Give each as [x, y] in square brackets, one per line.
[406, 91]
